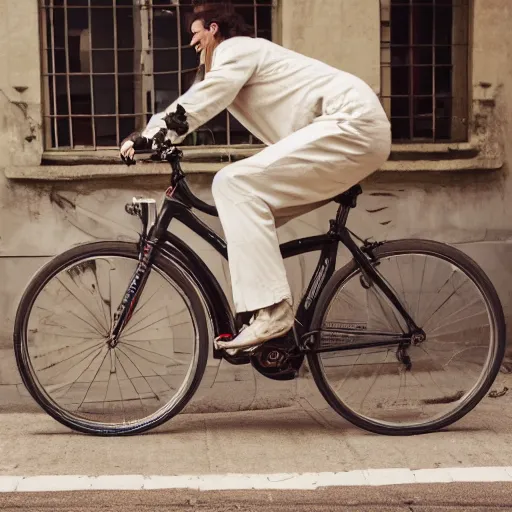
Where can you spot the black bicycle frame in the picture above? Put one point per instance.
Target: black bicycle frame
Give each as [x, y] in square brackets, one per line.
[178, 204]
[179, 207]
[327, 244]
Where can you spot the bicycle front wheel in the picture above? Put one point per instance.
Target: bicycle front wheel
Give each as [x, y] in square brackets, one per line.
[451, 299]
[63, 324]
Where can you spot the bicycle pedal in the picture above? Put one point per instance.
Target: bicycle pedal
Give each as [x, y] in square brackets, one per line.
[248, 351]
[224, 338]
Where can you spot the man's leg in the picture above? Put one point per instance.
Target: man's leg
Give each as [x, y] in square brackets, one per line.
[308, 167]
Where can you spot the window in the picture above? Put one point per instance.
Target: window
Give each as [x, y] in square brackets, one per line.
[424, 69]
[108, 65]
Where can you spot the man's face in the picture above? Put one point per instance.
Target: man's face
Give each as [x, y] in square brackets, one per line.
[203, 38]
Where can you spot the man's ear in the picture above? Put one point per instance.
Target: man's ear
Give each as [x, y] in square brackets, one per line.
[214, 28]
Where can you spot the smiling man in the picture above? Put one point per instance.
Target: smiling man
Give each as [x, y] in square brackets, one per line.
[325, 130]
[201, 6]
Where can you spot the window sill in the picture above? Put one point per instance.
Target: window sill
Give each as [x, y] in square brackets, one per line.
[83, 165]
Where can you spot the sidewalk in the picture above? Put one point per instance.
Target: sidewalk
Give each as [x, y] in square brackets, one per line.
[304, 436]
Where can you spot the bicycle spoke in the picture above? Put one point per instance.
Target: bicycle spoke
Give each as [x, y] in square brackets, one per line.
[421, 288]
[149, 315]
[403, 288]
[120, 391]
[62, 349]
[82, 303]
[110, 295]
[101, 364]
[156, 322]
[372, 384]
[135, 389]
[49, 333]
[146, 359]
[456, 313]
[145, 377]
[54, 365]
[47, 323]
[152, 352]
[142, 306]
[102, 302]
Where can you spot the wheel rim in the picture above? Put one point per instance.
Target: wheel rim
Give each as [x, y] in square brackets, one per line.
[448, 369]
[79, 375]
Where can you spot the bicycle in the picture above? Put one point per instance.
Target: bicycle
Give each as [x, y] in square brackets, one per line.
[380, 351]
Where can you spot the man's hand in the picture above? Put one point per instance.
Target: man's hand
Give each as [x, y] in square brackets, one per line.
[127, 150]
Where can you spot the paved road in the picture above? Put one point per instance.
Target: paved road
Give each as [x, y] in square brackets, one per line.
[447, 498]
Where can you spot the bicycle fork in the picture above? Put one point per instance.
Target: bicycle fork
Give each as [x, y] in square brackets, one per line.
[131, 298]
[145, 209]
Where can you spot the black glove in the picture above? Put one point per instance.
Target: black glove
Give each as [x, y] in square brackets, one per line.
[177, 121]
[139, 142]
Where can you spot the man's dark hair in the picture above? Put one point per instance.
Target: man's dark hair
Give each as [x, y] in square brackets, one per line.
[203, 5]
[231, 24]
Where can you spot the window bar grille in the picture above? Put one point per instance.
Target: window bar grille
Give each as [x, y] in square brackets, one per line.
[91, 71]
[150, 78]
[116, 71]
[63, 128]
[411, 69]
[385, 55]
[46, 24]
[255, 18]
[431, 110]
[255, 27]
[54, 77]
[68, 87]
[180, 63]
[434, 120]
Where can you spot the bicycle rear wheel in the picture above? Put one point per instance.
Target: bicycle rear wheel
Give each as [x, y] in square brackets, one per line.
[63, 324]
[451, 299]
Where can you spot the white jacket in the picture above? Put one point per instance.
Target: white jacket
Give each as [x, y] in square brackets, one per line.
[271, 90]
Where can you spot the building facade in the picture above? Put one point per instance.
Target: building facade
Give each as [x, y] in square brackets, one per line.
[79, 75]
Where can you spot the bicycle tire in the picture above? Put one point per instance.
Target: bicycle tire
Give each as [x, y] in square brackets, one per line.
[471, 270]
[52, 269]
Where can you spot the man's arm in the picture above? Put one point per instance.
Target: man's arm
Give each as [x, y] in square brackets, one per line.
[234, 64]
[176, 122]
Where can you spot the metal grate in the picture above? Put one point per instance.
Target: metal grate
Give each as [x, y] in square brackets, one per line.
[424, 68]
[108, 65]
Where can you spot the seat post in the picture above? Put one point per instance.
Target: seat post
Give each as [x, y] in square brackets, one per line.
[347, 200]
[342, 216]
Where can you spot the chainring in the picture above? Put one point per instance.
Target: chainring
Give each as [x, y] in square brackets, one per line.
[278, 359]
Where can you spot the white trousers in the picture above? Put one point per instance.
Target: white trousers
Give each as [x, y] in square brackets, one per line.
[298, 174]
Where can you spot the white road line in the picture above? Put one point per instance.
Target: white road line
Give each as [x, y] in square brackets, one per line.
[287, 481]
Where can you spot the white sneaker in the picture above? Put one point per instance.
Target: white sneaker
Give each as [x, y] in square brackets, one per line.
[269, 323]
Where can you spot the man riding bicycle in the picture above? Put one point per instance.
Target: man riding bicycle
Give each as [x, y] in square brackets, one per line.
[325, 130]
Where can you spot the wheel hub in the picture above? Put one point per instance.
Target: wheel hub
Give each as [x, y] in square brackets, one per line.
[418, 338]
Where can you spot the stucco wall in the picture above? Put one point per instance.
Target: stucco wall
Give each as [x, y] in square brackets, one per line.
[345, 34]
[473, 209]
